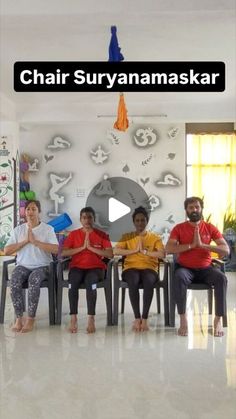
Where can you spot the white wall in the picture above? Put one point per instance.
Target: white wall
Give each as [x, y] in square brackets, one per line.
[166, 155]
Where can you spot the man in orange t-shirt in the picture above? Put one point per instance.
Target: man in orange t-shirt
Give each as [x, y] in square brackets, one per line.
[191, 241]
[87, 246]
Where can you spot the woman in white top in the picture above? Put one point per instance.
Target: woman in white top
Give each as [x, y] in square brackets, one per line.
[32, 242]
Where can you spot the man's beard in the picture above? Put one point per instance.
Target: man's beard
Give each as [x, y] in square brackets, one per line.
[194, 216]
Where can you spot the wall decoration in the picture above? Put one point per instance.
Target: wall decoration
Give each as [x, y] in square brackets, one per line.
[48, 158]
[8, 195]
[145, 137]
[33, 167]
[148, 159]
[168, 179]
[59, 143]
[172, 133]
[170, 219]
[125, 160]
[99, 156]
[113, 137]
[154, 202]
[144, 181]
[80, 193]
[57, 182]
[171, 156]
[98, 221]
[6, 179]
[105, 188]
[126, 169]
[3, 147]
[6, 225]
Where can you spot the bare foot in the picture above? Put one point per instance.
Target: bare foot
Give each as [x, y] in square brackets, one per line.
[144, 325]
[73, 324]
[218, 331]
[91, 325]
[137, 325]
[18, 325]
[29, 325]
[183, 329]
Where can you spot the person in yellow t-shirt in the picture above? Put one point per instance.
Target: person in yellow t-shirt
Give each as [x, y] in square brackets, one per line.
[141, 249]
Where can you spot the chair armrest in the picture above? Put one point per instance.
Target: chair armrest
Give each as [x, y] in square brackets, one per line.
[5, 268]
[9, 261]
[220, 263]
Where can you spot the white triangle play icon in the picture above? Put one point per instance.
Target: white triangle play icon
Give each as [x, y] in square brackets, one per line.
[117, 209]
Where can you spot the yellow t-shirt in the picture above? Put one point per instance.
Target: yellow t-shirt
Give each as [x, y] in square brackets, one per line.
[151, 242]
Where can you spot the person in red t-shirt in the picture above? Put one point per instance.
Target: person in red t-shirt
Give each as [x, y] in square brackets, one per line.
[87, 246]
[191, 241]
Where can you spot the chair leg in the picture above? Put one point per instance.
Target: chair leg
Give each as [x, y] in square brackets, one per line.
[158, 298]
[166, 305]
[51, 302]
[210, 299]
[172, 298]
[225, 321]
[59, 303]
[115, 302]
[3, 301]
[123, 300]
[108, 297]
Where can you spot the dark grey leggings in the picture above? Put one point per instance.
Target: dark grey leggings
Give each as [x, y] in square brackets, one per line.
[211, 276]
[89, 277]
[34, 278]
[146, 278]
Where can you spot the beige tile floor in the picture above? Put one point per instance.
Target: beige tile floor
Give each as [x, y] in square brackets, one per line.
[117, 374]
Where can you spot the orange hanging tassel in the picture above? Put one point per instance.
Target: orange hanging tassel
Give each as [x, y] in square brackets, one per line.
[122, 122]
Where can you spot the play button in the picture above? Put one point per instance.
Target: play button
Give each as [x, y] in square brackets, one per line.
[114, 200]
[117, 210]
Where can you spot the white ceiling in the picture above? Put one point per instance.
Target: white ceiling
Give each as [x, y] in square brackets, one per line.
[156, 30]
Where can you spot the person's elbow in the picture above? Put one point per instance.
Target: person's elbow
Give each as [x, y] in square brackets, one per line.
[109, 253]
[7, 251]
[55, 249]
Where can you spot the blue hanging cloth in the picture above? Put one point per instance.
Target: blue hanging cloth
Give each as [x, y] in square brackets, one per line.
[114, 49]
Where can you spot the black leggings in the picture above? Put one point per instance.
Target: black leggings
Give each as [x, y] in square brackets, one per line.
[146, 279]
[88, 277]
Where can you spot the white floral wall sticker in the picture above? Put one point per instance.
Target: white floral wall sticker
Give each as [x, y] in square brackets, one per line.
[113, 137]
[57, 182]
[48, 158]
[168, 179]
[143, 180]
[145, 137]
[173, 133]
[126, 169]
[99, 156]
[170, 219]
[59, 143]
[154, 202]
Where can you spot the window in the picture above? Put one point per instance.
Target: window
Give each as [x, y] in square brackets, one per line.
[211, 173]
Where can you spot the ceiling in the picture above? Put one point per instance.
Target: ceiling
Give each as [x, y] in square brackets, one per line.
[156, 30]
